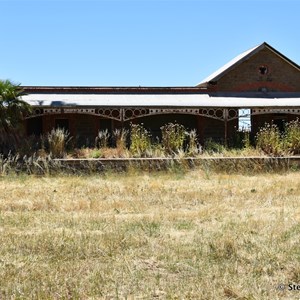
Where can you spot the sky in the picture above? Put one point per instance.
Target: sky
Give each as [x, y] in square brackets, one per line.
[137, 42]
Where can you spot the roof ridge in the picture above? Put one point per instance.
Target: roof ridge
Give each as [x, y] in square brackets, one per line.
[238, 59]
[231, 63]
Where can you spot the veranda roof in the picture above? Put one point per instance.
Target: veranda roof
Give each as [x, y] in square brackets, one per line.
[158, 100]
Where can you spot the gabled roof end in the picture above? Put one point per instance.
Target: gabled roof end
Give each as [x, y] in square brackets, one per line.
[214, 77]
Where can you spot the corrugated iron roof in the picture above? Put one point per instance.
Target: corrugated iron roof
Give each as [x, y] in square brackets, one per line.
[156, 100]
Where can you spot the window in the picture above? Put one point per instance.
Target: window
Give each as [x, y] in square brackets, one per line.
[263, 70]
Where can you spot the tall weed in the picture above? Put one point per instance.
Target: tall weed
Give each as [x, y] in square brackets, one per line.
[140, 143]
[120, 139]
[292, 137]
[269, 140]
[173, 137]
[272, 142]
[193, 148]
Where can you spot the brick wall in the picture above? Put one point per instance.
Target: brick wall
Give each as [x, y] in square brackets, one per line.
[280, 75]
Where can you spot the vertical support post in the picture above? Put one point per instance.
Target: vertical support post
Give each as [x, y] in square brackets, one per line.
[72, 118]
[96, 125]
[200, 129]
[225, 117]
[122, 115]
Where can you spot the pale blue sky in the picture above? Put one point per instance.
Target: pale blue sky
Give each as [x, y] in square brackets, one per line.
[132, 43]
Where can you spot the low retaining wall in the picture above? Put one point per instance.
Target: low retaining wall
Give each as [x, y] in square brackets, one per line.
[254, 163]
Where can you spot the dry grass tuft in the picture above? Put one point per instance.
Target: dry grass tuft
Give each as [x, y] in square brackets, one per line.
[159, 236]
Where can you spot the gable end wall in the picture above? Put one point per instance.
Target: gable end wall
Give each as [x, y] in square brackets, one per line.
[281, 75]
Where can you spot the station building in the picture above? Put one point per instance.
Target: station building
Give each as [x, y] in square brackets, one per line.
[258, 86]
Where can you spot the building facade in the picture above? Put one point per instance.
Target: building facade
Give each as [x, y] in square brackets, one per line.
[260, 85]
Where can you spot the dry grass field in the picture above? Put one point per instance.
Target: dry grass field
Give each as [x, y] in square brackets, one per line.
[192, 235]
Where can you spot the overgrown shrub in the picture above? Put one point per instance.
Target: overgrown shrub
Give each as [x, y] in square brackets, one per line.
[57, 141]
[292, 137]
[173, 137]
[140, 140]
[270, 140]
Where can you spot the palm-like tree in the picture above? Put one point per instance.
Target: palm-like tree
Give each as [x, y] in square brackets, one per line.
[12, 108]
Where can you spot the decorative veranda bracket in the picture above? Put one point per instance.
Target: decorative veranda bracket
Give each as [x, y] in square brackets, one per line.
[127, 114]
[115, 113]
[134, 113]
